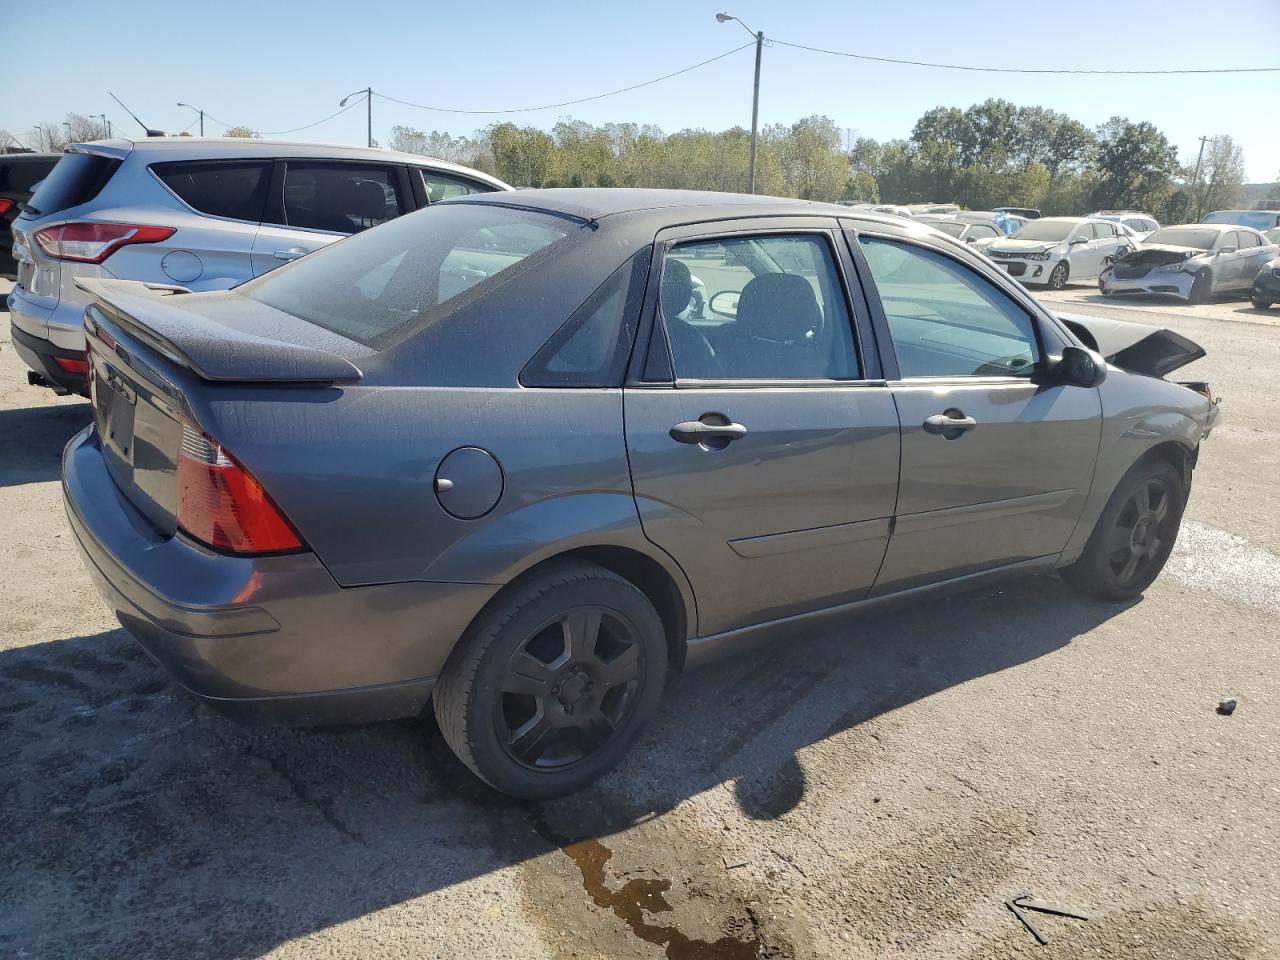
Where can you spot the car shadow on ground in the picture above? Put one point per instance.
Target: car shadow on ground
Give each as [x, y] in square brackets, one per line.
[32, 438]
[145, 824]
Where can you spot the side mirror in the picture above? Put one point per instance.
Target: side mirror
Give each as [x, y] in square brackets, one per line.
[971, 239]
[1078, 240]
[1079, 367]
[1226, 250]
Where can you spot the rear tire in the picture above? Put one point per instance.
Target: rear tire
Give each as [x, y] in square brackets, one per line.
[1058, 275]
[1201, 287]
[1134, 535]
[554, 682]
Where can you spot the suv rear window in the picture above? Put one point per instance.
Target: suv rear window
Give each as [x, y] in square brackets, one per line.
[233, 189]
[412, 271]
[77, 179]
[18, 174]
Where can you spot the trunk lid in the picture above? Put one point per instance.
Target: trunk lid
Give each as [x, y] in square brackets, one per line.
[1139, 347]
[152, 350]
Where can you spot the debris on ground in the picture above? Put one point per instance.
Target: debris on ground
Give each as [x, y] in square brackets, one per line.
[1227, 707]
[1024, 901]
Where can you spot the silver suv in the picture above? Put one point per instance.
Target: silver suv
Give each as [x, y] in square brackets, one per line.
[194, 213]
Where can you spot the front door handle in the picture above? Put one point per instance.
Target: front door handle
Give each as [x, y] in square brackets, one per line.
[711, 430]
[293, 253]
[950, 424]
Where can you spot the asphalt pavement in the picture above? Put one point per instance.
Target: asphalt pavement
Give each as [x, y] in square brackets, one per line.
[878, 791]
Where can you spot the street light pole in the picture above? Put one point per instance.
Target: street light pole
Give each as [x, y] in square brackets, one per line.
[368, 99]
[1194, 180]
[197, 110]
[755, 98]
[105, 121]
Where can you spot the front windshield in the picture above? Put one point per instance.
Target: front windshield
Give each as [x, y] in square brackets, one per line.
[1273, 235]
[1054, 231]
[1184, 237]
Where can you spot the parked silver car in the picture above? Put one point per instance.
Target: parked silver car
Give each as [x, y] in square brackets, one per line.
[1053, 250]
[495, 457]
[200, 214]
[968, 231]
[1193, 261]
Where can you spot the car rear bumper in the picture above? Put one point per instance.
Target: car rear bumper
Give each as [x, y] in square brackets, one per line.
[1170, 284]
[263, 639]
[42, 356]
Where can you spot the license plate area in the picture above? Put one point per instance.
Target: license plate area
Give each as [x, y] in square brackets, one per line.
[115, 402]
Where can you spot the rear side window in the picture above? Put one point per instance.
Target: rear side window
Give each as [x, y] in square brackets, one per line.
[592, 347]
[441, 186]
[414, 271]
[77, 179]
[342, 198]
[20, 175]
[1103, 231]
[233, 189]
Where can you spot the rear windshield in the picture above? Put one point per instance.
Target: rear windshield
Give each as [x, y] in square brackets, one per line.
[1048, 230]
[411, 271]
[951, 227]
[77, 179]
[1185, 237]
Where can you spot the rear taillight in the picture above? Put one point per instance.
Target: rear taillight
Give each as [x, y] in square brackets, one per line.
[94, 242]
[72, 364]
[5, 205]
[222, 505]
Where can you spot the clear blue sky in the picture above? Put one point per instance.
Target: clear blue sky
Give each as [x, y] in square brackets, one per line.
[276, 65]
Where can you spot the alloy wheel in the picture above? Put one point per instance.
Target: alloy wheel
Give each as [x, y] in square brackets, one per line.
[569, 688]
[1142, 528]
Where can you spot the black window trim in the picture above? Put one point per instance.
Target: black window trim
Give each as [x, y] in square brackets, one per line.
[1041, 322]
[273, 213]
[652, 367]
[241, 161]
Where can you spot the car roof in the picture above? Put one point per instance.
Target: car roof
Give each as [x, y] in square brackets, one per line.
[218, 148]
[1220, 227]
[596, 203]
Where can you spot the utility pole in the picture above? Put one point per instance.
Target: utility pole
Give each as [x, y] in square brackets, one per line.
[197, 110]
[368, 99]
[1194, 180]
[755, 98]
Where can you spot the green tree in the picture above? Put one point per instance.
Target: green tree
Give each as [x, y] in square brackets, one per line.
[1135, 163]
[243, 133]
[1221, 176]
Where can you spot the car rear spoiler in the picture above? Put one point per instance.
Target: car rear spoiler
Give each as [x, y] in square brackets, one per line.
[212, 350]
[1154, 351]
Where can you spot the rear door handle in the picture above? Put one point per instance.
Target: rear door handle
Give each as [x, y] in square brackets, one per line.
[949, 424]
[293, 253]
[699, 431]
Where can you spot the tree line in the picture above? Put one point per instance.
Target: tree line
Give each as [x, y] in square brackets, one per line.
[991, 154]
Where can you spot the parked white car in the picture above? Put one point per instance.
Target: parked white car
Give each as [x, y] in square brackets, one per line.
[1194, 262]
[1053, 250]
[966, 230]
[1138, 222]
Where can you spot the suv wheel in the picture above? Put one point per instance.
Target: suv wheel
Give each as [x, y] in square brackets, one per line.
[554, 682]
[1134, 536]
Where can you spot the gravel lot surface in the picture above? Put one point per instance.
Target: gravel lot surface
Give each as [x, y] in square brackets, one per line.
[877, 791]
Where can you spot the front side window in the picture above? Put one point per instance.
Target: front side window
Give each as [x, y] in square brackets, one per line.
[1103, 231]
[233, 189]
[413, 272]
[768, 307]
[341, 198]
[441, 186]
[944, 319]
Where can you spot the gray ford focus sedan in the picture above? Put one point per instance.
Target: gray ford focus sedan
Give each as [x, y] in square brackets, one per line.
[519, 455]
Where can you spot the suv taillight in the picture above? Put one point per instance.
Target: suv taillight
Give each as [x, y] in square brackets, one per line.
[222, 505]
[94, 242]
[5, 205]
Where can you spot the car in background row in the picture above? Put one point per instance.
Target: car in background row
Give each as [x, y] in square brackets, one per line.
[1053, 250]
[968, 231]
[931, 209]
[19, 174]
[1266, 285]
[1027, 213]
[1193, 261]
[1258, 219]
[484, 457]
[197, 214]
[1140, 223]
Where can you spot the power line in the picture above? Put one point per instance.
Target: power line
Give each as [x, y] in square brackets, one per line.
[276, 133]
[958, 66]
[570, 103]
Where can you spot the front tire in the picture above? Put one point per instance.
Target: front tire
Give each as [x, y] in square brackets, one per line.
[554, 682]
[1134, 535]
[1260, 303]
[1058, 276]
[1201, 287]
